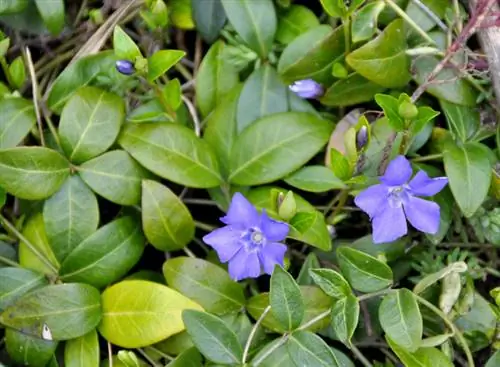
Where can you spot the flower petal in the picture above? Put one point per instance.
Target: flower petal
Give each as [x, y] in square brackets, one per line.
[389, 224]
[372, 199]
[241, 212]
[423, 185]
[244, 265]
[273, 253]
[273, 229]
[422, 214]
[225, 240]
[398, 172]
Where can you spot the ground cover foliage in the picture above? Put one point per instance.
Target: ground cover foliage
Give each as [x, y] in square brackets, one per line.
[350, 150]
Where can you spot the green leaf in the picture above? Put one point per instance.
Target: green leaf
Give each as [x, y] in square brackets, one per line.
[124, 47]
[205, 283]
[53, 14]
[105, 256]
[339, 164]
[423, 357]
[285, 299]
[463, 121]
[334, 8]
[16, 282]
[189, 358]
[34, 232]
[161, 61]
[364, 272]
[384, 60]
[209, 17]
[20, 167]
[215, 79]
[137, 313]
[350, 91]
[296, 21]
[90, 123]
[494, 360]
[167, 223]
[311, 262]
[17, 72]
[115, 176]
[82, 351]
[255, 22]
[315, 179]
[364, 22]
[220, 130]
[212, 337]
[425, 115]
[263, 94]
[67, 310]
[308, 349]
[331, 282]
[401, 320]
[12, 6]
[173, 94]
[279, 356]
[173, 152]
[312, 54]
[390, 105]
[70, 216]
[28, 350]
[259, 157]
[345, 316]
[18, 118]
[310, 227]
[469, 172]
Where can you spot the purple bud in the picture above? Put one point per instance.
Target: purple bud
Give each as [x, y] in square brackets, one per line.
[125, 67]
[307, 88]
[361, 137]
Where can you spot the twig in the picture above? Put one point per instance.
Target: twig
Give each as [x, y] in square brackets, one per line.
[252, 334]
[357, 353]
[35, 92]
[431, 15]
[110, 355]
[194, 115]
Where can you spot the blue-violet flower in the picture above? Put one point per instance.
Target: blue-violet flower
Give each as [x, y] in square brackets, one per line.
[307, 88]
[125, 67]
[395, 199]
[249, 241]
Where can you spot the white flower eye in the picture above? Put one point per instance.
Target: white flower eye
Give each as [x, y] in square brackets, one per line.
[46, 334]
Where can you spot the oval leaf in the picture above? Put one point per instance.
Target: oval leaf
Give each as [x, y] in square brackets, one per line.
[296, 21]
[364, 22]
[18, 118]
[285, 299]
[310, 228]
[28, 350]
[315, 179]
[209, 17]
[308, 349]
[331, 282]
[82, 351]
[161, 61]
[345, 316]
[53, 14]
[17, 282]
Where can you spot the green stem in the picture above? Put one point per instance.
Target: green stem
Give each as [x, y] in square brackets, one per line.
[252, 334]
[344, 194]
[148, 358]
[9, 262]
[365, 362]
[204, 226]
[164, 355]
[364, 297]
[430, 157]
[347, 34]
[183, 71]
[189, 252]
[452, 327]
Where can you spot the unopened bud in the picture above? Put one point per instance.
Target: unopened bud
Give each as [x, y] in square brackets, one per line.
[125, 67]
[287, 207]
[407, 110]
[361, 137]
[307, 88]
[451, 287]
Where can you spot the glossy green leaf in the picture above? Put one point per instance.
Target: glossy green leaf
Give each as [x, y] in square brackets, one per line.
[310, 227]
[16, 282]
[18, 118]
[17, 72]
[350, 91]
[53, 14]
[34, 232]
[82, 351]
[189, 358]
[136, 313]
[7, 251]
[167, 223]
[161, 61]
[180, 12]
[90, 123]
[469, 172]
[345, 316]
[173, 152]
[70, 216]
[205, 283]
[28, 350]
[20, 167]
[212, 337]
[279, 356]
[105, 256]
[173, 94]
[67, 310]
[384, 60]
[254, 21]
[311, 55]
[115, 176]
[390, 106]
[463, 121]
[124, 47]
[364, 22]
[401, 320]
[334, 8]
[209, 17]
[220, 130]
[331, 282]
[364, 272]
[215, 79]
[315, 179]
[310, 262]
[12, 6]
[259, 157]
[425, 116]
[263, 94]
[308, 349]
[285, 299]
[423, 357]
[296, 21]
[494, 360]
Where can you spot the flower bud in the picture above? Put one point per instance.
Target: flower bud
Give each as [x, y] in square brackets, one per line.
[361, 137]
[287, 207]
[407, 110]
[307, 88]
[125, 67]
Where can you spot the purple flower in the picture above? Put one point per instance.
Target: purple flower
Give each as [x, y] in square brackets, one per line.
[307, 88]
[125, 67]
[393, 201]
[249, 241]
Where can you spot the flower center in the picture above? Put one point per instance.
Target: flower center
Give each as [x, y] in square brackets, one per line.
[253, 239]
[395, 197]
